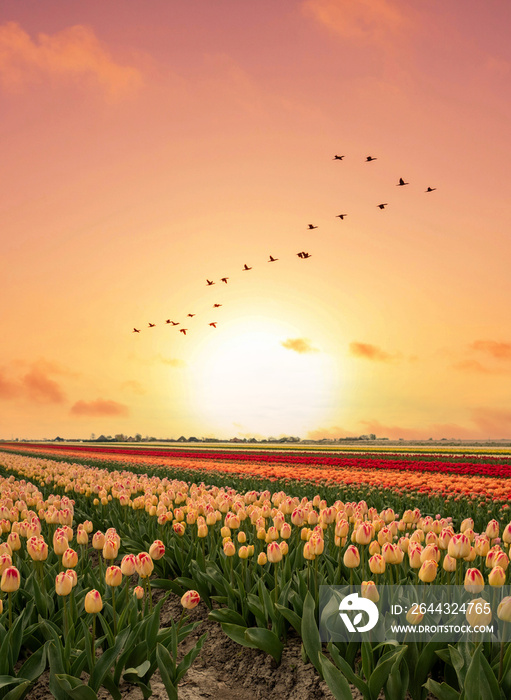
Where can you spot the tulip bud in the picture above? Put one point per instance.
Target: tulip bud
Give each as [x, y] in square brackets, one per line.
[157, 550]
[110, 549]
[481, 545]
[497, 577]
[82, 537]
[459, 546]
[69, 558]
[202, 530]
[71, 574]
[262, 558]
[128, 565]
[414, 616]
[370, 591]
[274, 553]
[13, 540]
[467, 524]
[504, 609]
[365, 533]
[374, 548]
[351, 557]
[377, 564]
[506, 535]
[449, 563]
[10, 580]
[113, 576]
[414, 555]
[229, 548]
[242, 538]
[144, 565]
[63, 584]
[98, 540]
[431, 551]
[492, 529]
[190, 600]
[138, 592]
[243, 552]
[285, 531]
[37, 548]
[478, 613]
[427, 572]
[474, 581]
[93, 602]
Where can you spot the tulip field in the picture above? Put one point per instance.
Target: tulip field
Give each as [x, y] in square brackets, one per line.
[95, 540]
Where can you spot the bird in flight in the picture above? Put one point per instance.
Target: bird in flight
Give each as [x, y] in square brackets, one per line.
[311, 226]
[337, 157]
[183, 330]
[370, 158]
[151, 325]
[341, 216]
[215, 306]
[224, 279]
[136, 330]
[213, 324]
[191, 315]
[209, 282]
[382, 206]
[401, 182]
[172, 322]
[272, 259]
[431, 189]
[303, 255]
[246, 267]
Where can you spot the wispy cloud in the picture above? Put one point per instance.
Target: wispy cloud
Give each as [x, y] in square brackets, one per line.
[493, 348]
[300, 345]
[74, 54]
[36, 385]
[134, 386]
[371, 352]
[368, 21]
[476, 367]
[98, 408]
[172, 361]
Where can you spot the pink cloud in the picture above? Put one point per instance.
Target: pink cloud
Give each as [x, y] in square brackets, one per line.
[8, 388]
[493, 348]
[474, 366]
[99, 407]
[371, 21]
[74, 53]
[35, 385]
[299, 345]
[41, 388]
[371, 352]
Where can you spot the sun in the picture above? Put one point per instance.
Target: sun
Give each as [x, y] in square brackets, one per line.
[244, 381]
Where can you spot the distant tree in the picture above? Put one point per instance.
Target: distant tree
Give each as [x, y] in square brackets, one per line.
[120, 437]
[93, 436]
[138, 437]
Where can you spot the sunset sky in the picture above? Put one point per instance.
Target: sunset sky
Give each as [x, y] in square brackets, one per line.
[148, 146]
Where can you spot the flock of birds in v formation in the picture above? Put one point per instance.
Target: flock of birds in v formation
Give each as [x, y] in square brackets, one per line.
[302, 254]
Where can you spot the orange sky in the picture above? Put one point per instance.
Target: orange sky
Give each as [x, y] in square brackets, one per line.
[147, 147]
